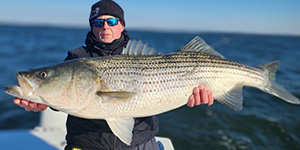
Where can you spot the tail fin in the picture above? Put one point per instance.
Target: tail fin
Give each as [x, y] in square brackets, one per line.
[273, 88]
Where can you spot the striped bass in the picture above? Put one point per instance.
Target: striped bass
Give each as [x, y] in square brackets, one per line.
[120, 88]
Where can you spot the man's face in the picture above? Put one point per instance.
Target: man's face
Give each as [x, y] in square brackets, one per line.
[107, 33]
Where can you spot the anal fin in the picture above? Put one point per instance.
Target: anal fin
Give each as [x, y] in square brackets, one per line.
[233, 98]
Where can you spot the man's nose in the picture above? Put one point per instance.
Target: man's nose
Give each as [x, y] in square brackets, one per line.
[105, 25]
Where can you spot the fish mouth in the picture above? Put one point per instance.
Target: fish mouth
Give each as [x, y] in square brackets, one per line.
[15, 91]
[24, 88]
[25, 83]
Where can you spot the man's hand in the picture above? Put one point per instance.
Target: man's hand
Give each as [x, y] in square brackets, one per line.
[30, 106]
[200, 96]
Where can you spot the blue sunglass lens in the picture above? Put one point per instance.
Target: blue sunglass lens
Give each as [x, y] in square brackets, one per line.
[112, 21]
[100, 22]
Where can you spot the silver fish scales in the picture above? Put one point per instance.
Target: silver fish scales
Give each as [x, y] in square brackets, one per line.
[165, 79]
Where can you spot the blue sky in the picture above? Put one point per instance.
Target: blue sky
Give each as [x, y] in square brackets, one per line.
[247, 16]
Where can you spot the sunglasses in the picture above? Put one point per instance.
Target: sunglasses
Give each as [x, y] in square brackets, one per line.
[110, 22]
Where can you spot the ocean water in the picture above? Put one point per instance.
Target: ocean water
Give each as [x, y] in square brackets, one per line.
[265, 122]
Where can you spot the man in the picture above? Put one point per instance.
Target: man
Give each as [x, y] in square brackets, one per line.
[108, 37]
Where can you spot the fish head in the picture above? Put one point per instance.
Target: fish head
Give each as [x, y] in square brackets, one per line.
[41, 85]
[36, 84]
[68, 87]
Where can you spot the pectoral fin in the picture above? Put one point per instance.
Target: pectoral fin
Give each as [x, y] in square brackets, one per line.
[115, 96]
[122, 128]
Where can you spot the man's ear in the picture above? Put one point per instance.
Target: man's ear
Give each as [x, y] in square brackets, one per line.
[122, 26]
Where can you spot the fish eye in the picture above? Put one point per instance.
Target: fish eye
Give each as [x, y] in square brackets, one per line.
[43, 74]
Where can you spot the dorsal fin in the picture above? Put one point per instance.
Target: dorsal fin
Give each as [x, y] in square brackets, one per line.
[199, 45]
[138, 48]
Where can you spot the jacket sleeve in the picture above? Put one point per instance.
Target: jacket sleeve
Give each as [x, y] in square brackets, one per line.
[79, 52]
[71, 56]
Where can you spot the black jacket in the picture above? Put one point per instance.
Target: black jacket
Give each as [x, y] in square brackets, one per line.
[95, 133]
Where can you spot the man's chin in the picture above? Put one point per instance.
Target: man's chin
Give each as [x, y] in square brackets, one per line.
[106, 39]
